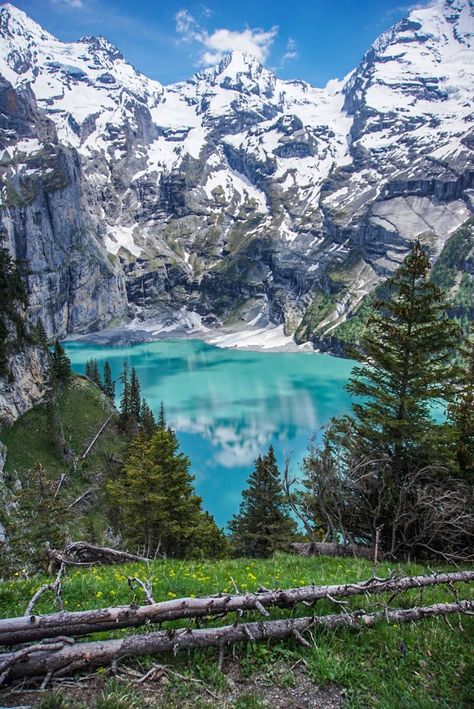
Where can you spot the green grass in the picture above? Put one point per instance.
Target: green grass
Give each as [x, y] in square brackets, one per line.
[82, 408]
[427, 664]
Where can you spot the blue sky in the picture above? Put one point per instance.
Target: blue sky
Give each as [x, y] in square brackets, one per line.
[315, 40]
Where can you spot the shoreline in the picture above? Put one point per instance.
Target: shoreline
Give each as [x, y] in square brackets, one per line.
[269, 338]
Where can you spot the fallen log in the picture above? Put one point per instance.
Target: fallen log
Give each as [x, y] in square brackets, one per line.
[334, 549]
[81, 553]
[14, 631]
[64, 658]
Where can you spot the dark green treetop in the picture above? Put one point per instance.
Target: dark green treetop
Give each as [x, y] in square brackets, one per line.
[263, 524]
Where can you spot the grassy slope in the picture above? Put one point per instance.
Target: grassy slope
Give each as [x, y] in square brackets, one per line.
[83, 408]
[428, 664]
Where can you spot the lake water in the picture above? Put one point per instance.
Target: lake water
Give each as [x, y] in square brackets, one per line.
[227, 406]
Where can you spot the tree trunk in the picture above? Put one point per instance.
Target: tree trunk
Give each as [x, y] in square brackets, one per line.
[64, 657]
[36, 627]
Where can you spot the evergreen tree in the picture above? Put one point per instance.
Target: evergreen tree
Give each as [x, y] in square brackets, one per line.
[461, 420]
[36, 515]
[13, 300]
[407, 363]
[109, 384]
[60, 364]
[162, 417]
[125, 410]
[263, 524]
[39, 334]
[135, 397]
[154, 498]
[147, 419]
[92, 372]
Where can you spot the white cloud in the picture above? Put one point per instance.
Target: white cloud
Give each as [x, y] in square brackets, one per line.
[217, 44]
[291, 51]
[207, 11]
[69, 3]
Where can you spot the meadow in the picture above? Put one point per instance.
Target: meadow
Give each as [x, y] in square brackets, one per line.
[427, 664]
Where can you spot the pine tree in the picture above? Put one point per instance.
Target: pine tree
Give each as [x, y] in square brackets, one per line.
[37, 514]
[263, 524]
[154, 499]
[40, 335]
[92, 372]
[125, 397]
[135, 397]
[109, 384]
[13, 300]
[60, 364]
[162, 417]
[147, 419]
[407, 363]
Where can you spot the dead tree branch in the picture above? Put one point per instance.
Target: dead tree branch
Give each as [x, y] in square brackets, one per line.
[92, 443]
[55, 586]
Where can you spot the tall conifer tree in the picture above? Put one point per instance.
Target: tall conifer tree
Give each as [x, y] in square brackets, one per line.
[155, 501]
[109, 384]
[407, 363]
[135, 397]
[263, 524]
[125, 396]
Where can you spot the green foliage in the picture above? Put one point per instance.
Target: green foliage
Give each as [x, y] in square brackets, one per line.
[92, 372]
[80, 411]
[456, 255]
[109, 384]
[105, 383]
[454, 273]
[154, 502]
[135, 397]
[60, 365]
[39, 335]
[37, 514]
[320, 308]
[13, 299]
[125, 408]
[147, 419]
[263, 524]
[406, 360]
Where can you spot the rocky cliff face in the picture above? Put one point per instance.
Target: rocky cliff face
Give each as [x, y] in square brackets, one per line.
[236, 195]
[72, 283]
[23, 387]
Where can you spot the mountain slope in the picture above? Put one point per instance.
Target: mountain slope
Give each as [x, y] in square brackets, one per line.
[239, 196]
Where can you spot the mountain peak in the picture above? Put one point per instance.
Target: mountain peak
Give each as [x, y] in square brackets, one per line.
[240, 62]
[242, 72]
[15, 21]
[102, 44]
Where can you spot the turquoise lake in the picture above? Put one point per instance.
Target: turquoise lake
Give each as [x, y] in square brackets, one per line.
[227, 406]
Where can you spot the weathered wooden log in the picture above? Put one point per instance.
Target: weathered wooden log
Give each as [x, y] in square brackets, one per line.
[36, 627]
[78, 553]
[333, 549]
[63, 658]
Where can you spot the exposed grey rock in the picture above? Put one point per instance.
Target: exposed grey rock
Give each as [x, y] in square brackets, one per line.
[24, 387]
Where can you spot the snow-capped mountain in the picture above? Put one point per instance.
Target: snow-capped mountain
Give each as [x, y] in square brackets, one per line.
[236, 195]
